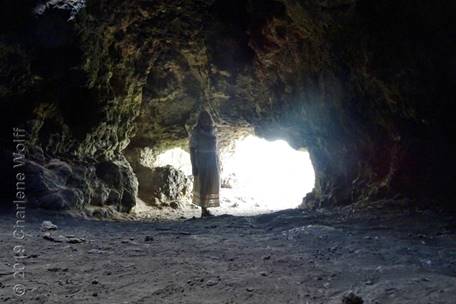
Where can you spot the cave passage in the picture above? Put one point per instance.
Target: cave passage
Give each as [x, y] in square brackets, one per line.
[333, 124]
[257, 175]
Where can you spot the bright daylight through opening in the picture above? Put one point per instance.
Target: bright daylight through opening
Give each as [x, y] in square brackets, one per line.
[257, 175]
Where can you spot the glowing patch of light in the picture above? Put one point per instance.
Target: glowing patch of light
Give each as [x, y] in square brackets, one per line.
[273, 174]
[264, 175]
[176, 157]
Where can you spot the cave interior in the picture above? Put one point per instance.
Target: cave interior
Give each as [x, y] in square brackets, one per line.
[100, 96]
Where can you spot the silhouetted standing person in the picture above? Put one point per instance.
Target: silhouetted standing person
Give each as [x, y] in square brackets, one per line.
[205, 164]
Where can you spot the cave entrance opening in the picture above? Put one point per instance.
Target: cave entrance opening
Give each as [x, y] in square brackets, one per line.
[257, 175]
[260, 175]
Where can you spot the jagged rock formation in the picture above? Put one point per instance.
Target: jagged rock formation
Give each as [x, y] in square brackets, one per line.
[163, 186]
[364, 86]
[55, 184]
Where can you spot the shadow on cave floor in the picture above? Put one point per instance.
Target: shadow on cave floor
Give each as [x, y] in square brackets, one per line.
[291, 256]
[236, 206]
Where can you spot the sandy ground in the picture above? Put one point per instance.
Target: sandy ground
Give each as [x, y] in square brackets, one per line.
[230, 204]
[290, 256]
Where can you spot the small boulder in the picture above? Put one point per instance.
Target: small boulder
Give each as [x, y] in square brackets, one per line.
[352, 298]
[49, 237]
[48, 225]
[148, 238]
[163, 186]
[75, 240]
[211, 283]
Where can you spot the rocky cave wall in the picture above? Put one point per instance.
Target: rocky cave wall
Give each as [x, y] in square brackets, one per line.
[364, 86]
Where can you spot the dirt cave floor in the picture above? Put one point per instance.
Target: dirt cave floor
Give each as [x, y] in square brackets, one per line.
[291, 256]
